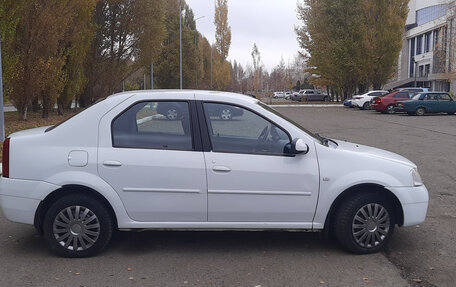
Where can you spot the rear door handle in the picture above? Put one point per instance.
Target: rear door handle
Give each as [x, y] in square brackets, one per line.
[112, 163]
[221, 168]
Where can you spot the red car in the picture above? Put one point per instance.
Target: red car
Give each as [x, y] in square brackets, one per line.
[387, 103]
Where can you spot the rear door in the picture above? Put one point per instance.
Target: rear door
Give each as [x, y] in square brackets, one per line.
[153, 161]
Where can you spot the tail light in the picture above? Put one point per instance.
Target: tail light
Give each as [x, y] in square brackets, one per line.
[378, 100]
[5, 159]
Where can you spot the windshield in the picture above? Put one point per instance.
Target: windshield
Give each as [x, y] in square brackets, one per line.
[266, 107]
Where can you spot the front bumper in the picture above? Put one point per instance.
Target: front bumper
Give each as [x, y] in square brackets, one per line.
[19, 198]
[414, 201]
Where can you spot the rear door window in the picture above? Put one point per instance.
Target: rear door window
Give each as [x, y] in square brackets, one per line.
[156, 125]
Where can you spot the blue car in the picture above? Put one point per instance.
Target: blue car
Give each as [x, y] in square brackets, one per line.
[429, 102]
[348, 103]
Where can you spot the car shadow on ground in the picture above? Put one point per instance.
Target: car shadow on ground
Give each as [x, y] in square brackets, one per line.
[217, 241]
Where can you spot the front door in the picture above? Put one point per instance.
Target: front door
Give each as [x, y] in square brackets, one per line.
[149, 158]
[250, 179]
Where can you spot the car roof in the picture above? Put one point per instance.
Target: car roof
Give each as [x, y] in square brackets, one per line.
[190, 94]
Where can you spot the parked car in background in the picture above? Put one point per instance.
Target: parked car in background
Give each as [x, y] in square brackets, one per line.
[348, 102]
[314, 95]
[278, 95]
[413, 89]
[387, 103]
[288, 95]
[430, 102]
[296, 96]
[178, 110]
[116, 166]
[363, 101]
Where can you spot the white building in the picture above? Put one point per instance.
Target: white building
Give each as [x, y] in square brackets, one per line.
[427, 58]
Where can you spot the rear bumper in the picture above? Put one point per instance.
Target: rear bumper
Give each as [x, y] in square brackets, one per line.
[19, 198]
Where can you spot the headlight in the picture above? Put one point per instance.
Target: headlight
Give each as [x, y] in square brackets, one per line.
[417, 181]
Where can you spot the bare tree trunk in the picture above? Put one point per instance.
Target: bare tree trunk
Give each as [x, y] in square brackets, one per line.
[35, 106]
[22, 113]
[60, 107]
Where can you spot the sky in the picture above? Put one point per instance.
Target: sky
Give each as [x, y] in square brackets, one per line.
[268, 23]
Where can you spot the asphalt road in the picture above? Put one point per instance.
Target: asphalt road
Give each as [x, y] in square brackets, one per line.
[419, 255]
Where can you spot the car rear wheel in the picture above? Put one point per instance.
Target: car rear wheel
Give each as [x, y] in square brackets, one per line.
[325, 99]
[420, 111]
[390, 109]
[364, 223]
[226, 114]
[172, 114]
[77, 225]
[366, 106]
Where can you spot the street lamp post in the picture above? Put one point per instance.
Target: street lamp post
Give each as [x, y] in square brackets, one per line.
[180, 44]
[2, 118]
[196, 70]
[415, 63]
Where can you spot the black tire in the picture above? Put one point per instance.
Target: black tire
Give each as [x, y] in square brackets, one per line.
[90, 239]
[366, 106]
[420, 111]
[325, 99]
[348, 230]
[390, 109]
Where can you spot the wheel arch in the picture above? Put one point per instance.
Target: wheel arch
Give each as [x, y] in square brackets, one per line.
[359, 188]
[46, 203]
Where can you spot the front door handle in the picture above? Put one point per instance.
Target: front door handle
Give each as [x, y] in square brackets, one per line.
[112, 163]
[221, 168]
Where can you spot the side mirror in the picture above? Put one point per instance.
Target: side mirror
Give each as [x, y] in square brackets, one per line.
[297, 146]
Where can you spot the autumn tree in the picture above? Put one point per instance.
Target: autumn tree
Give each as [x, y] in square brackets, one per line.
[222, 29]
[125, 29]
[39, 51]
[351, 43]
[75, 46]
[383, 29]
[256, 60]
[167, 68]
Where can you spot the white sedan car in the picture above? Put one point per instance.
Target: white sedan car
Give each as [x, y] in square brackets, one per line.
[363, 102]
[120, 164]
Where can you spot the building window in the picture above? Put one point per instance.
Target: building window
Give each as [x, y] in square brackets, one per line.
[430, 13]
[421, 71]
[412, 56]
[419, 44]
[436, 39]
[427, 70]
[427, 42]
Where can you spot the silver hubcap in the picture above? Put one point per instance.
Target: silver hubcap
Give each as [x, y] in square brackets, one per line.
[171, 114]
[371, 225]
[226, 114]
[76, 228]
[420, 112]
[390, 109]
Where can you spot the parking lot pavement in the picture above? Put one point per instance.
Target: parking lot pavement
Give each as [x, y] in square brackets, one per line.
[425, 254]
[422, 256]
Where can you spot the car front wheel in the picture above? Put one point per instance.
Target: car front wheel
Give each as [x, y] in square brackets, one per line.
[364, 223]
[77, 225]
